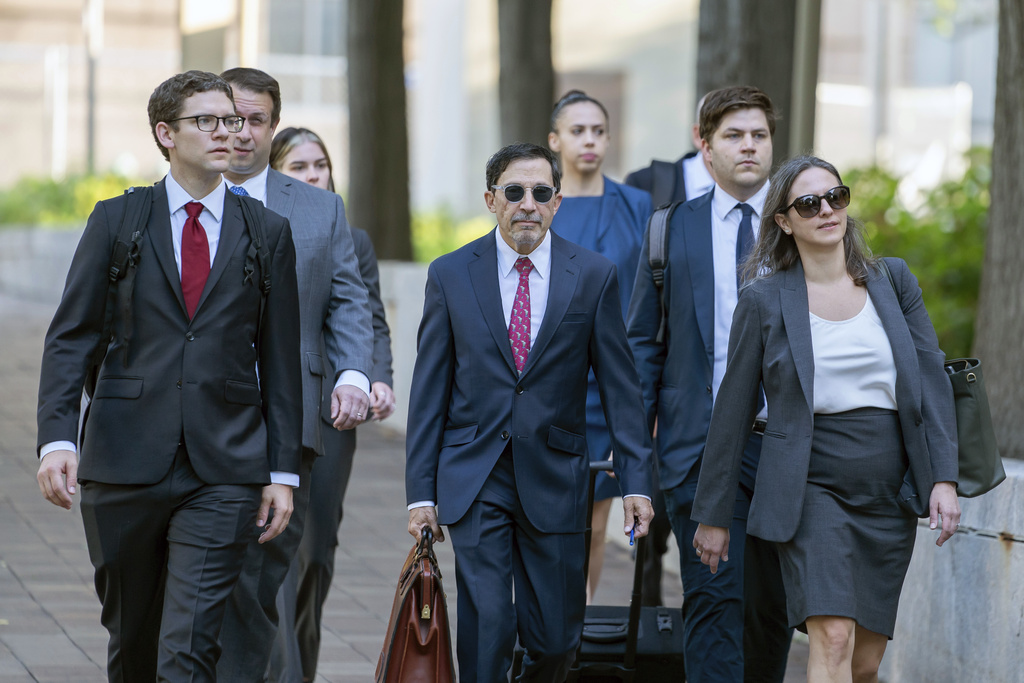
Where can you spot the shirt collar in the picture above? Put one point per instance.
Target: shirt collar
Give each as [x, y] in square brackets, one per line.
[507, 256]
[256, 186]
[722, 203]
[177, 197]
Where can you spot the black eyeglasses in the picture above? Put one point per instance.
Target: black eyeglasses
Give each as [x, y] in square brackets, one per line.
[208, 122]
[809, 205]
[515, 192]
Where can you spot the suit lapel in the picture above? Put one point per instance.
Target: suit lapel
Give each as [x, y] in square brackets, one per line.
[159, 233]
[279, 195]
[904, 354]
[796, 316]
[232, 227]
[483, 273]
[701, 261]
[564, 278]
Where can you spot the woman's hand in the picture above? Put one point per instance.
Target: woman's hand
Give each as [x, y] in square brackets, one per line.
[943, 503]
[712, 544]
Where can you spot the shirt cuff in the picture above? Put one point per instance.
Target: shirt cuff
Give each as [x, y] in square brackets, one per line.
[355, 379]
[636, 495]
[56, 446]
[422, 504]
[286, 478]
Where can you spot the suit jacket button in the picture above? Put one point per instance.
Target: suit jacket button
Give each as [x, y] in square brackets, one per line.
[520, 390]
[708, 388]
[189, 336]
[179, 384]
[505, 435]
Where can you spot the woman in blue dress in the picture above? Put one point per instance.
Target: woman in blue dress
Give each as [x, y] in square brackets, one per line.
[607, 217]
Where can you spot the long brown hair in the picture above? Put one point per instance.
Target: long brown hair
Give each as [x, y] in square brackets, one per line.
[776, 251]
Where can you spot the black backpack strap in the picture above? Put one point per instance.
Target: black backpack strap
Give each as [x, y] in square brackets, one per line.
[657, 235]
[255, 223]
[663, 181]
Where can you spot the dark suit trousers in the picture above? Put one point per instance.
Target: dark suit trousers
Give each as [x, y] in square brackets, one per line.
[716, 607]
[302, 597]
[251, 619]
[166, 557]
[496, 549]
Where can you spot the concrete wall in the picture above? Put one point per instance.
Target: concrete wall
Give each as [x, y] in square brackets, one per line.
[961, 615]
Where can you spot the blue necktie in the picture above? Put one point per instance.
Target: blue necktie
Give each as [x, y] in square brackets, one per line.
[239, 190]
[744, 238]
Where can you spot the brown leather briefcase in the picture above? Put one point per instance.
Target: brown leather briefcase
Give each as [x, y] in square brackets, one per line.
[418, 646]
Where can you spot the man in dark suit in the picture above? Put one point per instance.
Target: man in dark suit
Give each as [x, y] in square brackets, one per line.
[336, 348]
[688, 177]
[496, 422]
[733, 633]
[196, 413]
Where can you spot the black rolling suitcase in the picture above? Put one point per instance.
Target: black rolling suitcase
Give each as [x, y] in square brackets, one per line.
[635, 643]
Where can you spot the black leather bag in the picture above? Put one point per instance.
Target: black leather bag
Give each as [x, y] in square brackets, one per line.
[981, 467]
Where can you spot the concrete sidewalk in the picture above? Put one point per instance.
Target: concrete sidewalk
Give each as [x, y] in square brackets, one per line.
[49, 614]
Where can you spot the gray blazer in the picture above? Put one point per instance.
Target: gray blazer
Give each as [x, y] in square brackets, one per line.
[334, 309]
[771, 343]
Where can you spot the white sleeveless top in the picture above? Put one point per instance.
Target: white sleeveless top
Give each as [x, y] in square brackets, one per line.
[853, 364]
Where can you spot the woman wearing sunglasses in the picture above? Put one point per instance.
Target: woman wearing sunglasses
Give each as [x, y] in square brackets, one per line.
[609, 218]
[301, 154]
[860, 438]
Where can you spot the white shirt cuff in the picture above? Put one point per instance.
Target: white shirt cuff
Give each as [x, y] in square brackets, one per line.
[354, 378]
[637, 495]
[422, 504]
[56, 446]
[286, 478]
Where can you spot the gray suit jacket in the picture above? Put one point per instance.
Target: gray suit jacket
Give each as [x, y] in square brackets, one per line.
[771, 343]
[334, 310]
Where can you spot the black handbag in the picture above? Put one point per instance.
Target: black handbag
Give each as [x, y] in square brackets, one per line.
[981, 467]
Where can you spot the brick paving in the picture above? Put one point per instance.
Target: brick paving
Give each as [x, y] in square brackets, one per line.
[49, 615]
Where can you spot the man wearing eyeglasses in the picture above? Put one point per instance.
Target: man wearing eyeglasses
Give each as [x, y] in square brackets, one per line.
[195, 422]
[337, 349]
[733, 633]
[512, 324]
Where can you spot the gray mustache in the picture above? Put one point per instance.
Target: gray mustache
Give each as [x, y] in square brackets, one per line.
[524, 216]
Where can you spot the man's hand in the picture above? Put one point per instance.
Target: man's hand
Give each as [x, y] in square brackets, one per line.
[712, 545]
[57, 476]
[349, 406]
[278, 497]
[638, 510]
[421, 517]
[382, 400]
[943, 503]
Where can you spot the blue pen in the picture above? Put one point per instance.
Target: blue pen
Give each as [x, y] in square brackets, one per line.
[632, 531]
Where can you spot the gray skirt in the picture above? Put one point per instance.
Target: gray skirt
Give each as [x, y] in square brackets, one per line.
[850, 554]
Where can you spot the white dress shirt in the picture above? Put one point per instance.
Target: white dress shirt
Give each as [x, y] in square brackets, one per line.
[696, 179]
[725, 223]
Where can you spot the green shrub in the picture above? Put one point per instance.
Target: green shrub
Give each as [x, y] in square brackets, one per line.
[943, 241]
[38, 201]
[436, 232]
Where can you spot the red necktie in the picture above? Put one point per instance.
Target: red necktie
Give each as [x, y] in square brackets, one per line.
[519, 325]
[195, 258]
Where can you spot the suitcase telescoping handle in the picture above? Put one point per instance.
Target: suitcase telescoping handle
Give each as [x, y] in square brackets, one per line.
[635, 602]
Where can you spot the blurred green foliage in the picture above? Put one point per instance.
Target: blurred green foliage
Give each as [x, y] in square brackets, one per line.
[36, 201]
[943, 241]
[437, 232]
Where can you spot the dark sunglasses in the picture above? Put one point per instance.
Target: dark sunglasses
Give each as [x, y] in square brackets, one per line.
[515, 193]
[809, 205]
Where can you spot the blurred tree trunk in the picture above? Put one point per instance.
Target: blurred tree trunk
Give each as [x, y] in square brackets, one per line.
[526, 85]
[378, 196]
[756, 42]
[999, 328]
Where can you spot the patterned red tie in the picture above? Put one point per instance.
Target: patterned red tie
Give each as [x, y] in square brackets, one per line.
[519, 325]
[195, 258]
